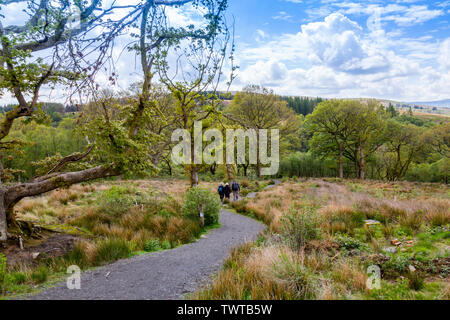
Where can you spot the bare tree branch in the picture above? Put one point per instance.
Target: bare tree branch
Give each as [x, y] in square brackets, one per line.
[71, 158]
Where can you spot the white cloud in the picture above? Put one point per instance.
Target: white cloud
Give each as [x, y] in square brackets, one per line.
[282, 15]
[414, 15]
[260, 35]
[444, 54]
[402, 13]
[336, 57]
[269, 72]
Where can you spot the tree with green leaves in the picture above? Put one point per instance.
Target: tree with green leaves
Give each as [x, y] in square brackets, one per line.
[391, 111]
[71, 54]
[191, 82]
[367, 124]
[404, 144]
[330, 124]
[259, 108]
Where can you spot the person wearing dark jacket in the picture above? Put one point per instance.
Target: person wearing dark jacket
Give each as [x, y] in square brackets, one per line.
[227, 190]
[221, 191]
[235, 187]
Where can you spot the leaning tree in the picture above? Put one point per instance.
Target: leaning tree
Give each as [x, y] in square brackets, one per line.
[65, 44]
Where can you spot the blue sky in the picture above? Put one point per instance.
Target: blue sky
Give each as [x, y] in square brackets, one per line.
[396, 50]
[382, 49]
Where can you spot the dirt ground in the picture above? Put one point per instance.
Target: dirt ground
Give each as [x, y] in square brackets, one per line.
[52, 244]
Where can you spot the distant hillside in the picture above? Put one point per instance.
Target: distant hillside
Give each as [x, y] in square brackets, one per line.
[441, 103]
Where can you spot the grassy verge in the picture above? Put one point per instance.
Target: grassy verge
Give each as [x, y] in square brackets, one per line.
[110, 221]
[325, 234]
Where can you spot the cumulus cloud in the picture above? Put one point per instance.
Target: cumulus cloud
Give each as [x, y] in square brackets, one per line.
[269, 72]
[337, 57]
[337, 42]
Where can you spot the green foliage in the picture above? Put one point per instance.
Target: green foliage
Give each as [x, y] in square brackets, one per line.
[348, 243]
[114, 142]
[40, 275]
[429, 172]
[298, 227]
[152, 245]
[200, 197]
[165, 245]
[18, 277]
[302, 105]
[306, 165]
[41, 147]
[119, 199]
[3, 275]
[392, 291]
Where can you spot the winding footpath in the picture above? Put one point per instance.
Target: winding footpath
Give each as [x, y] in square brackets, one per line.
[162, 275]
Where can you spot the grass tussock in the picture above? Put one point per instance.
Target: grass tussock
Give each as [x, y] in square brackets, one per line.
[113, 220]
[324, 234]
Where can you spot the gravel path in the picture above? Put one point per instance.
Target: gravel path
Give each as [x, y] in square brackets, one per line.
[166, 274]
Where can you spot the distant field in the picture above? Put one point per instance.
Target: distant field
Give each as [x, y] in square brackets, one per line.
[429, 115]
[433, 116]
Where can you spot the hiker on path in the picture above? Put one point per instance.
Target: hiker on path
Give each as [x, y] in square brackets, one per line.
[235, 187]
[227, 191]
[221, 191]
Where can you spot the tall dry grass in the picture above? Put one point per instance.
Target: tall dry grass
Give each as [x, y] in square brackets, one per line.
[344, 210]
[266, 273]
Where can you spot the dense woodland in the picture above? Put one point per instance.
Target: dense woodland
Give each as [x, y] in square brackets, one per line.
[396, 146]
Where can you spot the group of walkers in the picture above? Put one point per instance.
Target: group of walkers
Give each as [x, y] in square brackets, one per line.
[224, 191]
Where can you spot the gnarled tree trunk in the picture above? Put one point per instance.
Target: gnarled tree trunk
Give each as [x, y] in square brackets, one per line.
[9, 197]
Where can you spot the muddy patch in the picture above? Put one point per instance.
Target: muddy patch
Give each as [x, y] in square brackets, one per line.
[50, 246]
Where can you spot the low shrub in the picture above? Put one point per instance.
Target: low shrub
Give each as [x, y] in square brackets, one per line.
[200, 197]
[165, 245]
[298, 227]
[244, 192]
[245, 183]
[116, 200]
[348, 243]
[412, 220]
[79, 255]
[152, 245]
